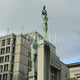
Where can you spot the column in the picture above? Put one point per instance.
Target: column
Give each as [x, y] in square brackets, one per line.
[43, 61]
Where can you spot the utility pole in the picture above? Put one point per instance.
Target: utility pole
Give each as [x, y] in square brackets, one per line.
[8, 31]
[22, 28]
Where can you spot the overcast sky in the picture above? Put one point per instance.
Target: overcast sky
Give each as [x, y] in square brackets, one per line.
[63, 24]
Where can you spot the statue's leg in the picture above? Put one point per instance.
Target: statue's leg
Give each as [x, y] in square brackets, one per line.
[35, 58]
[32, 57]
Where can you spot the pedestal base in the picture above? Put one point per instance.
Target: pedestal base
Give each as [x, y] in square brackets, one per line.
[32, 76]
[43, 60]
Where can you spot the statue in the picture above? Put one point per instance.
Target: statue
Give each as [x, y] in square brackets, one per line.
[33, 52]
[44, 23]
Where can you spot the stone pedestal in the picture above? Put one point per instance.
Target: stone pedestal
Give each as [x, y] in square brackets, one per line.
[32, 76]
[43, 60]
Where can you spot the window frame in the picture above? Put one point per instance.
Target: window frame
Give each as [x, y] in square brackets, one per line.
[0, 76]
[2, 50]
[6, 67]
[3, 42]
[5, 78]
[8, 41]
[1, 59]
[7, 60]
[8, 49]
[1, 68]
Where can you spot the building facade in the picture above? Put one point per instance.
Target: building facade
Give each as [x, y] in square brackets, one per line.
[15, 58]
[74, 69]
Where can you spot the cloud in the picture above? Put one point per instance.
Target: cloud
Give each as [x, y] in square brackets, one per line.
[71, 51]
[64, 17]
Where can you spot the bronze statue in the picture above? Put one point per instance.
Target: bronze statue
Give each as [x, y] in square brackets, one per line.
[44, 23]
[33, 52]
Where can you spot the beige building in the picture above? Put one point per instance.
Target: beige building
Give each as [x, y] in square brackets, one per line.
[15, 58]
[74, 69]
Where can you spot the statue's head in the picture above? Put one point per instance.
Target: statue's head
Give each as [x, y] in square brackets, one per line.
[44, 7]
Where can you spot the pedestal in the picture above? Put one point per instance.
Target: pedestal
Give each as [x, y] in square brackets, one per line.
[32, 76]
[43, 60]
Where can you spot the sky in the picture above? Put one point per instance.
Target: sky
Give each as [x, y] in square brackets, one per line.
[23, 16]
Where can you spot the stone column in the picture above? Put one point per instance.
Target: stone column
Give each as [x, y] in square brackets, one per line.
[43, 60]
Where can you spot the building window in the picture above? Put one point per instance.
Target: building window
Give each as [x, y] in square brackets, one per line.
[1, 68]
[2, 50]
[65, 75]
[29, 70]
[3, 42]
[1, 59]
[59, 64]
[7, 58]
[78, 77]
[0, 76]
[28, 39]
[13, 51]
[14, 41]
[4, 76]
[8, 41]
[11, 76]
[52, 60]
[6, 67]
[8, 50]
[12, 58]
[12, 68]
[29, 63]
[29, 54]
